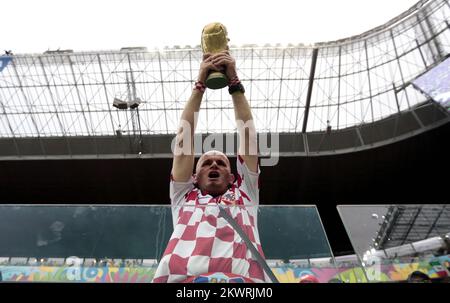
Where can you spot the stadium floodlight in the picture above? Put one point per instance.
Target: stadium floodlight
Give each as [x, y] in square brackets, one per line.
[135, 103]
[120, 104]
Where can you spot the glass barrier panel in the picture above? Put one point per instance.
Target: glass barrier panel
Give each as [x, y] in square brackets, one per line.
[126, 243]
[400, 243]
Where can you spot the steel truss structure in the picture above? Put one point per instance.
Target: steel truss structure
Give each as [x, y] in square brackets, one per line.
[294, 89]
[405, 224]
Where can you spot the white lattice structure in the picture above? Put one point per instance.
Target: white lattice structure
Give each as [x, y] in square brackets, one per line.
[299, 88]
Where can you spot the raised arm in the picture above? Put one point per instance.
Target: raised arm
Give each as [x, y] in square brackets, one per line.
[248, 145]
[183, 159]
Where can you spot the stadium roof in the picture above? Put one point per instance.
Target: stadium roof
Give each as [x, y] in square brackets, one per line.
[406, 224]
[298, 88]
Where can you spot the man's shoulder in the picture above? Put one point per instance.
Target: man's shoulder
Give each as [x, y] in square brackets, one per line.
[192, 194]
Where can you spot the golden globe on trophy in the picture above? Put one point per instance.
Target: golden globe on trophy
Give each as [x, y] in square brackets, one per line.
[214, 40]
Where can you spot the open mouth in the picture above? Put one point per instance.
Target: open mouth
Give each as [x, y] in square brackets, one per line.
[213, 175]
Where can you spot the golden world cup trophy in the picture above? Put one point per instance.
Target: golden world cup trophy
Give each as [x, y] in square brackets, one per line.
[215, 40]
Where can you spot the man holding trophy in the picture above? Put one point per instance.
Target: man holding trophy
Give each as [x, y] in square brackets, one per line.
[215, 213]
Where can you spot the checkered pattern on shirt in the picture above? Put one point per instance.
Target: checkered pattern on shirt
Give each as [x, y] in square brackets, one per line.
[202, 241]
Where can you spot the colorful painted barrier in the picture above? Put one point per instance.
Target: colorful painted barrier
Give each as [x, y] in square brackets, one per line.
[434, 268]
[80, 274]
[286, 273]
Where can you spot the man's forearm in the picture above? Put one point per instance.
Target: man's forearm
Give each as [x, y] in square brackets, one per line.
[245, 125]
[242, 109]
[183, 160]
[243, 114]
[187, 124]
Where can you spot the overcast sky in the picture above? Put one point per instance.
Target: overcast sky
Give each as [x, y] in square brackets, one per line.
[31, 26]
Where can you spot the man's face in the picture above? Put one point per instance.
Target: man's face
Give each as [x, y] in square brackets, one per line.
[213, 173]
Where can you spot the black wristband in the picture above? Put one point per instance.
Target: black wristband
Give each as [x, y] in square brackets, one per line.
[236, 88]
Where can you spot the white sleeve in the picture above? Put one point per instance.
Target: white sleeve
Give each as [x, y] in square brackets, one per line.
[249, 180]
[178, 190]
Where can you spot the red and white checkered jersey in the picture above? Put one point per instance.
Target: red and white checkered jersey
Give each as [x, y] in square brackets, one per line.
[202, 241]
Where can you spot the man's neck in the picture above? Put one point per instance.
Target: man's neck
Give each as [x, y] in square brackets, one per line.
[214, 195]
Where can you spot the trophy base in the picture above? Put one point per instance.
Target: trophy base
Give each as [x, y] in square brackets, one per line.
[216, 80]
